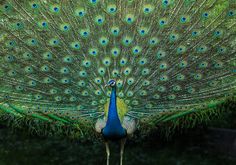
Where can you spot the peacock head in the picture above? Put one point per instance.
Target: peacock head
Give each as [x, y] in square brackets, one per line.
[111, 83]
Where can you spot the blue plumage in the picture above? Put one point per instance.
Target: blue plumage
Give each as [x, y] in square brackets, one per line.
[113, 128]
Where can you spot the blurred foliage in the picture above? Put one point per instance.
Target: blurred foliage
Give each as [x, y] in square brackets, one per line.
[226, 120]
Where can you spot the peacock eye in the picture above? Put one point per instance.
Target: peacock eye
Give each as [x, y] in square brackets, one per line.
[113, 83]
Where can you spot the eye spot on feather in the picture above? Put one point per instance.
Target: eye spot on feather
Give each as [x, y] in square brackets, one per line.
[143, 93]
[33, 41]
[6, 8]
[103, 41]
[218, 64]
[183, 64]
[107, 61]
[11, 44]
[98, 92]
[115, 52]
[203, 64]
[165, 2]
[136, 50]
[115, 31]
[75, 45]
[163, 65]
[84, 33]
[47, 56]
[9, 58]
[161, 89]
[173, 37]
[12, 73]
[44, 24]
[112, 9]
[47, 80]
[126, 41]
[83, 73]
[7, 97]
[195, 33]
[162, 22]
[130, 93]
[65, 80]
[93, 52]
[80, 12]
[183, 19]
[153, 41]
[115, 73]
[35, 6]
[58, 99]
[202, 49]
[142, 61]
[64, 70]
[56, 9]
[147, 9]
[143, 31]
[231, 13]
[19, 88]
[181, 49]
[127, 71]
[198, 76]
[176, 88]
[29, 69]
[222, 50]
[145, 71]
[19, 26]
[171, 97]
[93, 2]
[205, 15]
[99, 20]
[156, 96]
[81, 83]
[190, 90]
[101, 71]
[163, 78]
[38, 96]
[180, 77]
[218, 33]
[129, 18]
[32, 83]
[98, 80]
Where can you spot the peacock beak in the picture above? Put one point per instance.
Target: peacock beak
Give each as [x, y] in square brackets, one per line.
[106, 85]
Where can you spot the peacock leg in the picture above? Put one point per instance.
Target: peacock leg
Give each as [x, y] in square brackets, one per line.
[108, 152]
[122, 150]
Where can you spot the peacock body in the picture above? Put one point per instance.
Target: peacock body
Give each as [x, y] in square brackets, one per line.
[168, 58]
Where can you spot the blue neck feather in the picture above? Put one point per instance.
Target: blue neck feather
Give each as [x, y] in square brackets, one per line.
[113, 128]
[112, 112]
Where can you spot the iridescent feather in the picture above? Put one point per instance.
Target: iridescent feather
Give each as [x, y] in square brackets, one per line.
[168, 57]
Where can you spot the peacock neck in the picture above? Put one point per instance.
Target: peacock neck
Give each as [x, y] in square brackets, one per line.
[113, 118]
[113, 128]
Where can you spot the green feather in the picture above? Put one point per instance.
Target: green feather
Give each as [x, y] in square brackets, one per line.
[172, 60]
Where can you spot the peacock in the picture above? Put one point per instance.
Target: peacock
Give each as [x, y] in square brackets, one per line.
[105, 69]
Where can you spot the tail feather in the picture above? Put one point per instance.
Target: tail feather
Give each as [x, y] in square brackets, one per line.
[166, 55]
